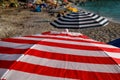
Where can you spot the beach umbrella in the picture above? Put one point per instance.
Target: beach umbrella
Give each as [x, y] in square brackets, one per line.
[115, 42]
[58, 56]
[80, 20]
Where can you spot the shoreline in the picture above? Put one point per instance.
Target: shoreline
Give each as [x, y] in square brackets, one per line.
[109, 18]
[114, 21]
[21, 23]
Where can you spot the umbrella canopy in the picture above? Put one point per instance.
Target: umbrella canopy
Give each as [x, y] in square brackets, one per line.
[58, 56]
[115, 42]
[80, 20]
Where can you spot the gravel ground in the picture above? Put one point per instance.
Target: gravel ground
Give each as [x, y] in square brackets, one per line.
[16, 22]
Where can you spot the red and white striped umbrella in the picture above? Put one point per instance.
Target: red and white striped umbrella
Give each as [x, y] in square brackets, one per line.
[58, 56]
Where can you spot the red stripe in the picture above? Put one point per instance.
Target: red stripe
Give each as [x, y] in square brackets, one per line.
[12, 50]
[69, 57]
[65, 73]
[2, 79]
[6, 64]
[116, 60]
[80, 47]
[58, 38]
[20, 41]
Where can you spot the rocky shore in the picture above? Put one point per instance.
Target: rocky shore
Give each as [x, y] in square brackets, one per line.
[15, 22]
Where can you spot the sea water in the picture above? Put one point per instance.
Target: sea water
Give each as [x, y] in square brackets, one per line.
[106, 8]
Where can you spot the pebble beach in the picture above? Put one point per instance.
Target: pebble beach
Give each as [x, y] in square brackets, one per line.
[16, 22]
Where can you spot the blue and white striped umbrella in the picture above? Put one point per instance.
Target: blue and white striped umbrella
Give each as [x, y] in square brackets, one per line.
[80, 20]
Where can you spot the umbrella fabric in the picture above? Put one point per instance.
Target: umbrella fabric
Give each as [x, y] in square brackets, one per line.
[80, 20]
[12, 48]
[115, 42]
[58, 56]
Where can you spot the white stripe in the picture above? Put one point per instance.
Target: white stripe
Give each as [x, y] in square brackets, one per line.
[29, 38]
[2, 71]
[106, 23]
[69, 33]
[87, 25]
[75, 22]
[10, 57]
[91, 14]
[74, 19]
[79, 43]
[100, 18]
[113, 55]
[94, 16]
[81, 26]
[70, 51]
[76, 26]
[18, 75]
[77, 15]
[71, 65]
[102, 22]
[76, 52]
[81, 14]
[86, 22]
[15, 45]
